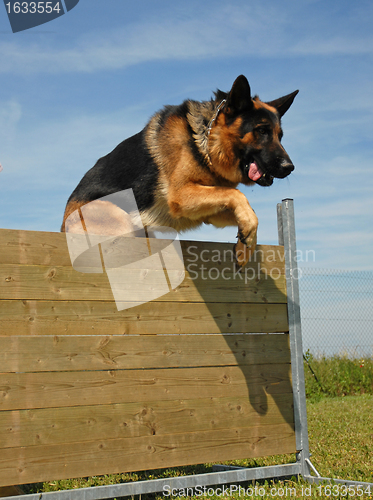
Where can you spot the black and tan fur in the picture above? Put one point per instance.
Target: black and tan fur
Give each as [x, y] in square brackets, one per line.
[185, 165]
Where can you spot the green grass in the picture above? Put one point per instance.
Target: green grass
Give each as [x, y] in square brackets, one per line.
[337, 376]
[341, 436]
[340, 424]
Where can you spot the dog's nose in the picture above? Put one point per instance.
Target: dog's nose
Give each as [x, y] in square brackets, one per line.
[287, 167]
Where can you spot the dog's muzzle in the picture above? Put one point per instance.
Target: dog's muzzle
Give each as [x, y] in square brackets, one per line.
[256, 174]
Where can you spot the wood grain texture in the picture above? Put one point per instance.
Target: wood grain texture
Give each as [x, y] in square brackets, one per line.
[64, 283]
[40, 463]
[48, 248]
[42, 317]
[75, 353]
[63, 389]
[131, 420]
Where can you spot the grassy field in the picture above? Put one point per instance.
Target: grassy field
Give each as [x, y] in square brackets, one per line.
[337, 376]
[340, 423]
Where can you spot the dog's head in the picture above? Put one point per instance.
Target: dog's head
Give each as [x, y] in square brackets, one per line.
[247, 134]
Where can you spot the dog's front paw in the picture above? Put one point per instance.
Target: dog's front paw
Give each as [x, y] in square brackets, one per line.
[244, 248]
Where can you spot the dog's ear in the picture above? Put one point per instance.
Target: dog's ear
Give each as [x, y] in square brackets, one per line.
[283, 103]
[239, 97]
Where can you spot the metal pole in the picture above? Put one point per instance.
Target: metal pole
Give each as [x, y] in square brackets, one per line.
[279, 225]
[287, 234]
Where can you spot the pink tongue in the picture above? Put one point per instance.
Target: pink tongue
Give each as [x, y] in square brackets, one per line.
[254, 172]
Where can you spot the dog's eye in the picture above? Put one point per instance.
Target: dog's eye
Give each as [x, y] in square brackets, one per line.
[264, 131]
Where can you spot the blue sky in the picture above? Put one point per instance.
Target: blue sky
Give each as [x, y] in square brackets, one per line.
[72, 89]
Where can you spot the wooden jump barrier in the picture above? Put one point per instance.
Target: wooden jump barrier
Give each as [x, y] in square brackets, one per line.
[88, 390]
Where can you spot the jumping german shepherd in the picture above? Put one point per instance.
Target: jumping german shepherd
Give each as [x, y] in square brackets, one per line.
[185, 165]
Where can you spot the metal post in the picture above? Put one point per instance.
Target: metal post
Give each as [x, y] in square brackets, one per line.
[286, 226]
[279, 225]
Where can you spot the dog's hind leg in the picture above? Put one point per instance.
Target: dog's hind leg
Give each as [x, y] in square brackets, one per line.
[98, 217]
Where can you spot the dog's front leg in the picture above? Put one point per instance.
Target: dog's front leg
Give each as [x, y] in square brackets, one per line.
[197, 202]
[222, 219]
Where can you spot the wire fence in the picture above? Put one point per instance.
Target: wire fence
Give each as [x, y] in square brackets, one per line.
[337, 312]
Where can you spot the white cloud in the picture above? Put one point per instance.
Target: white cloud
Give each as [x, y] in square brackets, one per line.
[221, 31]
[138, 43]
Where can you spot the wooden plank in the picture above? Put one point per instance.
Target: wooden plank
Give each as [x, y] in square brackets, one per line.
[61, 389]
[47, 248]
[43, 463]
[91, 423]
[40, 317]
[33, 247]
[64, 283]
[44, 354]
